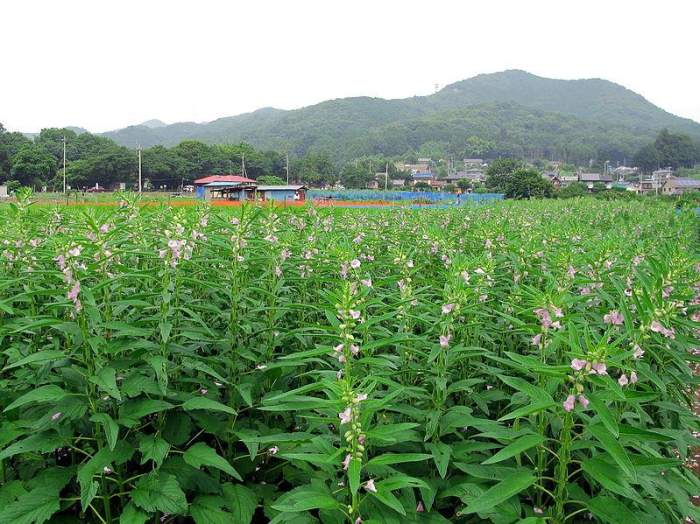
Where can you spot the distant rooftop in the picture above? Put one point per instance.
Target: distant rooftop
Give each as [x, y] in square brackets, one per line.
[223, 178]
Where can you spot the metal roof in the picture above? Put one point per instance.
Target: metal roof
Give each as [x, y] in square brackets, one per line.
[279, 188]
[685, 182]
[222, 183]
[222, 178]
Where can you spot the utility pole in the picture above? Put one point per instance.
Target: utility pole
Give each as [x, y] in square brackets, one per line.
[386, 176]
[139, 168]
[243, 164]
[64, 164]
[287, 167]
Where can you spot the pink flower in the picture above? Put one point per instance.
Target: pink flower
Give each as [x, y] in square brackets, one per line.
[633, 377]
[545, 319]
[346, 461]
[558, 312]
[355, 264]
[584, 401]
[578, 364]
[73, 293]
[107, 470]
[569, 403]
[538, 511]
[638, 352]
[656, 327]
[338, 348]
[366, 282]
[447, 309]
[56, 416]
[445, 340]
[599, 368]
[354, 349]
[75, 251]
[571, 272]
[537, 339]
[667, 292]
[369, 486]
[613, 317]
[360, 397]
[104, 228]
[273, 450]
[358, 520]
[419, 507]
[345, 416]
[623, 381]
[354, 314]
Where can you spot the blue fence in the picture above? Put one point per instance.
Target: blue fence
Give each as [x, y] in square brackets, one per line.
[402, 196]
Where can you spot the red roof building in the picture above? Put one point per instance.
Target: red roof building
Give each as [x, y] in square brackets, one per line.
[234, 179]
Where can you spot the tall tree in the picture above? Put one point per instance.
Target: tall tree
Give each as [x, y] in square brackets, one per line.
[33, 165]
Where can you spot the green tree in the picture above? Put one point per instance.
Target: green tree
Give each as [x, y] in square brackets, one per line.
[33, 165]
[10, 143]
[270, 180]
[647, 159]
[499, 172]
[527, 183]
[676, 150]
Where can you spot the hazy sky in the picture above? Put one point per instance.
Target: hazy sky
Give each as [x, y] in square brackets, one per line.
[105, 64]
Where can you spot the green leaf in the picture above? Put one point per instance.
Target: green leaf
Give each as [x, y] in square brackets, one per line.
[354, 469]
[305, 498]
[137, 409]
[441, 456]
[34, 507]
[208, 510]
[48, 393]
[500, 492]
[515, 448]
[132, 515]
[612, 446]
[106, 380]
[612, 511]
[527, 410]
[397, 458]
[389, 499]
[37, 358]
[110, 427]
[241, 502]
[159, 492]
[202, 455]
[153, 448]
[605, 415]
[43, 442]
[207, 404]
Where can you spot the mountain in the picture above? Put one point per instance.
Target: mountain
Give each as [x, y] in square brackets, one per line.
[153, 123]
[514, 110]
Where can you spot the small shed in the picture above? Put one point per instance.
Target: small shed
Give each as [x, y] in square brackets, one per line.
[201, 184]
[294, 193]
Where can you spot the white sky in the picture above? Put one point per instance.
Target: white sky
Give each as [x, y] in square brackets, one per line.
[105, 64]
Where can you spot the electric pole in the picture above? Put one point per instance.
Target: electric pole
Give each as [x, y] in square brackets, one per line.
[243, 164]
[386, 176]
[139, 168]
[287, 167]
[64, 164]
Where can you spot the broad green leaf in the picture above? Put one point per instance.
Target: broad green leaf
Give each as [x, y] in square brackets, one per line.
[132, 515]
[159, 492]
[612, 511]
[37, 358]
[515, 448]
[612, 446]
[209, 510]
[500, 492]
[200, 455]
[35, 507]
[389, 499]
[207, 404]
[441, 456]
[109, 426]
[48, 393]
[153, 448]
[305, 498]
[43, 442]
[606, 416]
[354, 469]
[106, 380]
[397, 458]
[241, 502]
[137, 409]
[527, 410]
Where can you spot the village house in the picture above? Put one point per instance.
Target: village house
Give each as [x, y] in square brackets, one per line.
[471, 163]
[590, 179]
[239, 188]
[678, 185]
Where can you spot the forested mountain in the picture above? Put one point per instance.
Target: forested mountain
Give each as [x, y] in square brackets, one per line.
[518, 112]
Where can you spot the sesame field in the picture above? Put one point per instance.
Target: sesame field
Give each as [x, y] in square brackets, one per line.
[508, 362]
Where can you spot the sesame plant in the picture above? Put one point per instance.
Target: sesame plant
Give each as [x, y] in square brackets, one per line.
[523, 362]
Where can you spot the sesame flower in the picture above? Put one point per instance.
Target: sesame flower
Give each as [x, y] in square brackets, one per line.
[73, 293]
[419, 507]
[633, 377]
[366, 282]
[354, 314]
[614, 318]
[445, 340]
[578, 364]
[360, 397]
[56, 416]
[599, 368]
[354, 349]
[569, 403]
[638, 352]
[346, 461]
[623, 380]
[273, 450]
[583, 401]
[536, 339]
[447, 309]
[369, 486]
[107, 470]
[345, 416]
[355, 264]
[538, 511]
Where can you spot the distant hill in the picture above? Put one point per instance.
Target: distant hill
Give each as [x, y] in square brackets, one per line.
[153, 123]
[514, 109]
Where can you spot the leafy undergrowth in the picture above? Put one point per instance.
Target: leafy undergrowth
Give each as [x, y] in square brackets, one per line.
[527, 362]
